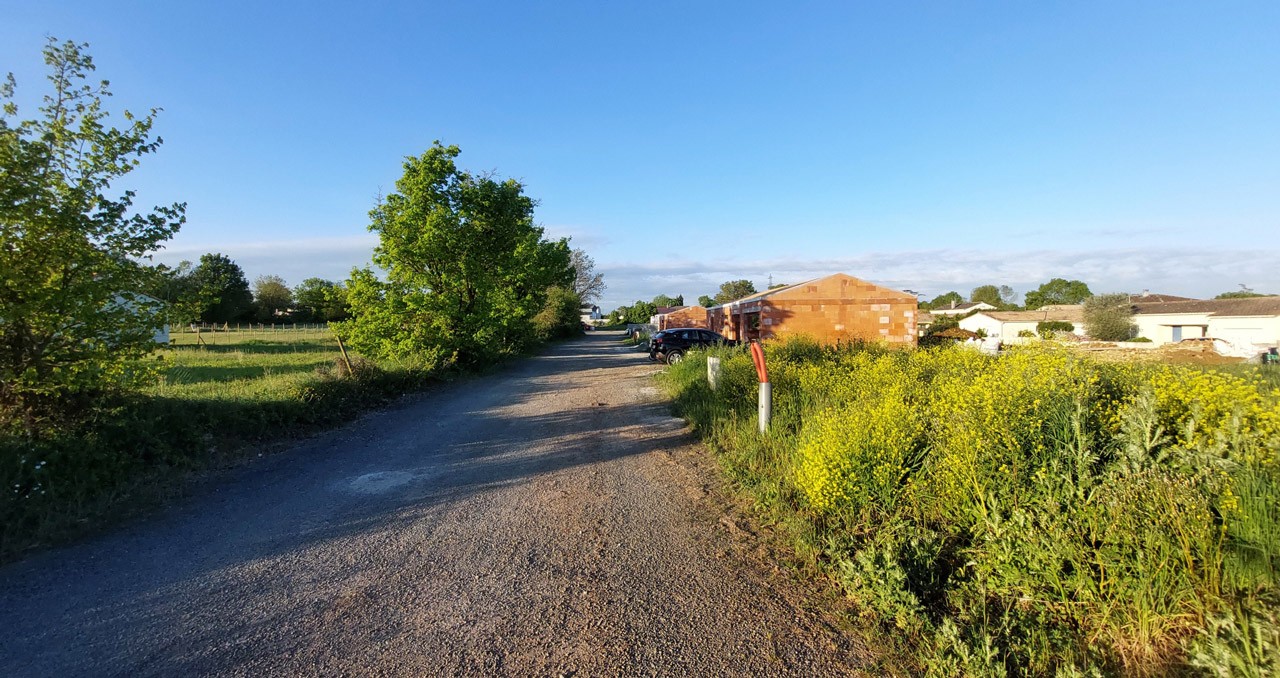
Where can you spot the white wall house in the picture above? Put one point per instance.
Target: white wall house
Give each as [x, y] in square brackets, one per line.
[1005, 326]
[1244, 322]
[135, 299]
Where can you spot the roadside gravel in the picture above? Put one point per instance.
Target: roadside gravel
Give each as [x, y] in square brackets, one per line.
[549, 519]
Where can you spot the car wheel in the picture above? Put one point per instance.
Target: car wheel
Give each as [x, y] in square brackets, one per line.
[675, 357]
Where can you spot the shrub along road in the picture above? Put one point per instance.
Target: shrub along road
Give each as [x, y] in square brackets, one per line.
[550, 519]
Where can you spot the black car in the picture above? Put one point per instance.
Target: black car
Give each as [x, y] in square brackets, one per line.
[669, 346]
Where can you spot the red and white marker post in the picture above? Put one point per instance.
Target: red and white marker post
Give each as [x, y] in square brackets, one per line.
[766, 389]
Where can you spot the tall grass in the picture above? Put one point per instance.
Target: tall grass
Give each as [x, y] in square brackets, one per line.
[212, 404]
[1032, 514]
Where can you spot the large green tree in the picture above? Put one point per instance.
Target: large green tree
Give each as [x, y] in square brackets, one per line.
[72, 321]
[466, 268]
[999, 296]
[271, 296]
[321, 300]
[222, 284]
[1057, 291]
[734, 290]
[943, 301]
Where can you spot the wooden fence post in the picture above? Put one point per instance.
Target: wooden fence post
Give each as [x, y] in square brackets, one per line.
[346, 360]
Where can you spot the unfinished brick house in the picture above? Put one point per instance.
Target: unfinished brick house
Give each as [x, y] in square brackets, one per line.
[837, 307]
[685, 316]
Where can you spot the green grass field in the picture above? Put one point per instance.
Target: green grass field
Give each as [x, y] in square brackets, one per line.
[244, 365]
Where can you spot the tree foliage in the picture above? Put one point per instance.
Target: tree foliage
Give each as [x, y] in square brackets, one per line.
[665, 300]
[1057, 291]
[998, 296]
[1241, 294]
[72, 320]
[321, 300]
[1109, 317]
[944, 301]
[587, 284]
[466, 267]
[559, 317]
[271, 297]
[176, 286]
[706, 301]
[224, 288]
[734, 290]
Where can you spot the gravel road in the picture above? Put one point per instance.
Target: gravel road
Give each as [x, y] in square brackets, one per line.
[551, 519]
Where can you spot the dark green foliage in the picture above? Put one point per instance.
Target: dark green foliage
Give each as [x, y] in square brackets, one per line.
[222, 283]
[1241, 295]
[466, 267]
[1057, 291]
[706, 301]
[320, 300]
[734, 290]
[271, 297]
[943, 301]
[559, 317]
[1001, 297]
[1109, 317]
[73, 322]
[1047, 328]
[664, 300]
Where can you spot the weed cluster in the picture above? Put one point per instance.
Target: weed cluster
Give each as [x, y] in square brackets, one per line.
[1036, 513]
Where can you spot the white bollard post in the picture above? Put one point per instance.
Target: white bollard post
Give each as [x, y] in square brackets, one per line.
[713, 372]
[766, 405]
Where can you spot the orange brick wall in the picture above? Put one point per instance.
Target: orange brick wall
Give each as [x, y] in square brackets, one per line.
[692, 316]
[835, 308]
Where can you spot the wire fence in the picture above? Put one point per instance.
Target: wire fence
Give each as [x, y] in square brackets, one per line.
[225, 334]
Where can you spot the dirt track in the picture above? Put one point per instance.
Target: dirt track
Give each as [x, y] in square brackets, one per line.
[551, 519]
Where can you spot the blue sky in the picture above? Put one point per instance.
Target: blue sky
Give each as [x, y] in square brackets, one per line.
[929, 146]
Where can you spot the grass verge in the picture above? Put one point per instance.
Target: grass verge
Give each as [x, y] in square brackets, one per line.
[1033, 514]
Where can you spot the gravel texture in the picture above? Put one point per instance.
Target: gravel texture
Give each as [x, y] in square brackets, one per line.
[551, 519]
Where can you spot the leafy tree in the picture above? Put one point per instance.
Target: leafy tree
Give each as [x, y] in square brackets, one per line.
[734, 290]
[640, 312]
[221, 281]
[559, 317]
[73, 323]
[321, 300]
[1057, 291]
[466, 267]
[176, 287]
[776, 286]
[706, 301]
[1109, 317]
[1240, 294]
[587, 284]
[270, 295]
[664, 300]
[944, 301]
[1000, 297]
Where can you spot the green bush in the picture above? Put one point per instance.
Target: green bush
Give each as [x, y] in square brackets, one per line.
[1047, 328]
[1036, 513]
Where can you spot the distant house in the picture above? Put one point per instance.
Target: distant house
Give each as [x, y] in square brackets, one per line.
[1252, 321]
[828, 309]
[961, 309]
[1006, 326]
[133, 300]
[590, 314]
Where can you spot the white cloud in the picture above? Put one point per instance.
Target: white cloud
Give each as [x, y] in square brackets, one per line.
[1177, 270]
[1185, 271]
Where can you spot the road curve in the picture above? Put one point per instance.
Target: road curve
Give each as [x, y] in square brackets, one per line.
[544, 520]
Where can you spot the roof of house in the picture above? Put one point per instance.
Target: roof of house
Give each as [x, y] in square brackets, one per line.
[663, 310]
[786, 288]
[1063, 313]
[1220, 307]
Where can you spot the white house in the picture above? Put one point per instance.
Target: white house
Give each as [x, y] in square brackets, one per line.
[590, 314]
[1005, 326]
[1244, 322]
